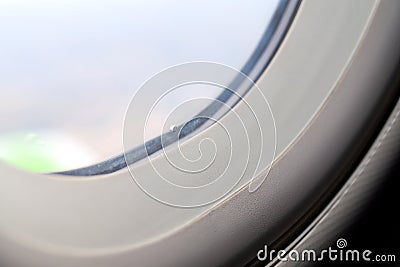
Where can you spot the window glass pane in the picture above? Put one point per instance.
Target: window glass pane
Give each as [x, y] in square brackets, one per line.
[68, 68]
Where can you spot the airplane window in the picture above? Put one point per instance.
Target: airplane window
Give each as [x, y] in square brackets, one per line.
[68, 69]
[121, 142]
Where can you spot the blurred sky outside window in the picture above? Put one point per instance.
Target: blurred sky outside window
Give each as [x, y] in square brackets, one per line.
[68, 68]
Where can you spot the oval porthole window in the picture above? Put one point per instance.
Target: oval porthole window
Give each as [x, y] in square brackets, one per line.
[68, 69]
